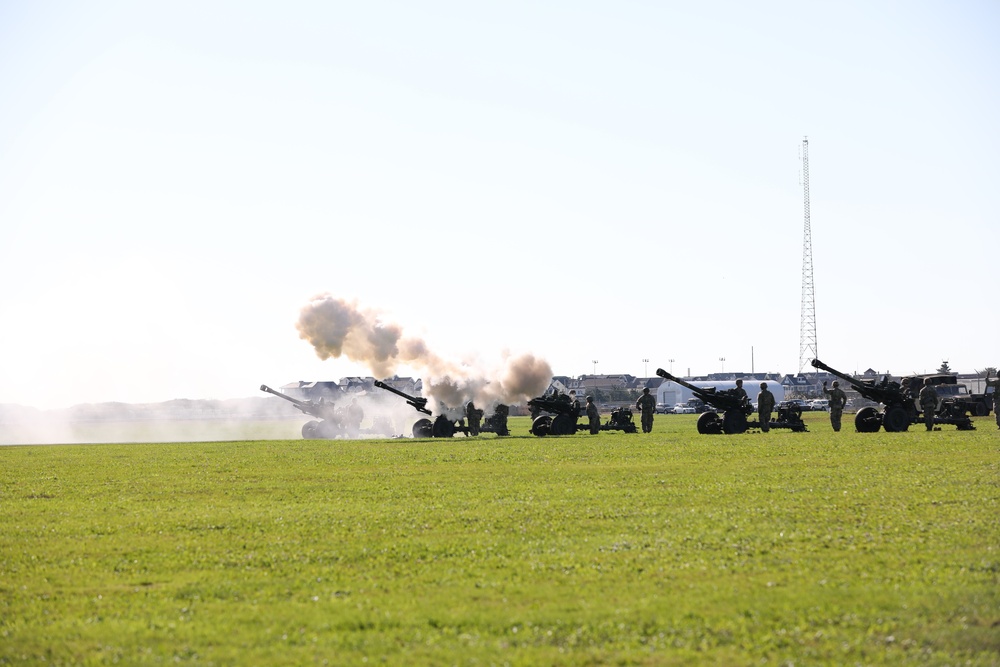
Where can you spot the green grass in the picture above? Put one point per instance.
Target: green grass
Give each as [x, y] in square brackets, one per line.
[624, 549]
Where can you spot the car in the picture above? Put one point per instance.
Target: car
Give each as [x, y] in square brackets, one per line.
[820, 404]
[664, 409]
[684, 409]
[797, 404]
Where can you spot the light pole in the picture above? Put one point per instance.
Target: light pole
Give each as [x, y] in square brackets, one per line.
[671, 366]
[594, 361]
[723, 360]
[645, 368]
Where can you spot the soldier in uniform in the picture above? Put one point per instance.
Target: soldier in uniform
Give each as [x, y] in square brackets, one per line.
[646, 406]
[355, 415]
[474, 416]
[593, 416]
[765, 405]
[740, 391]
[996, 396]
[838, 400]
[928, 403]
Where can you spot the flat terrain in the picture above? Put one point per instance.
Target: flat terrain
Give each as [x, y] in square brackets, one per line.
[671, 548]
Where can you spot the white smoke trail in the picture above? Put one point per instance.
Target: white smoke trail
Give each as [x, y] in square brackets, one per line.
[336, 327]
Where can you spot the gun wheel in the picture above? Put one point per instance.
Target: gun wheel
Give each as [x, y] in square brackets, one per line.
[563, 425]
[541, 425]
[734, 421]
[895, 420]
[709, 423]
[423, 429]
[443, 428]
[309, 430]
[867, 420]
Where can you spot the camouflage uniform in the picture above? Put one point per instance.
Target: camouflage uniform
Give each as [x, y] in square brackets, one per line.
[996, 397]
[593, 416]
[646, 405]
[765, 405]
[474, 416]
[740, 391]
[355, 415]
[928, 403]
[838, 399]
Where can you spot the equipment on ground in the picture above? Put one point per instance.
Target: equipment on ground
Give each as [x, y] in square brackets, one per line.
[563, 412]
[496, 422]
[444, 426]
[621, 420]
[329, 422]
[557, 414]
[735, 408]
[901, 404]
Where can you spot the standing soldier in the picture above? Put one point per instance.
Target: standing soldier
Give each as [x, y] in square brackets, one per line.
[646, 405]
[838, 400]
[928, 403]
[593, 416]
[473, 415]
[765, 404]
[355, 415]
[996, 396]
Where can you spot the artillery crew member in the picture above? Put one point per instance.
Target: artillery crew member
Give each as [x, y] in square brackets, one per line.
[838, 400]
[355, 415]
[765, 405]
[646, 406]
[474, 416]
[740, 392]
[928, 403]
[996, 396]
[593, 416]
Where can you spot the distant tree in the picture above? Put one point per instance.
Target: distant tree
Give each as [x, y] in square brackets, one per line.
[944, 368]
[988, 372]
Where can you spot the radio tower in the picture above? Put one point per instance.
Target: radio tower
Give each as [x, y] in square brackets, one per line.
[807, 331]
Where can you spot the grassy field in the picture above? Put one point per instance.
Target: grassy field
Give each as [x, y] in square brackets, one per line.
[671, 548]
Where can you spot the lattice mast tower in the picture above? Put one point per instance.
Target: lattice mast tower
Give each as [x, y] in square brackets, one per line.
[807, 329]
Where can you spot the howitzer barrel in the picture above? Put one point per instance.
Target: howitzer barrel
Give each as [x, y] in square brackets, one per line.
[723, 400]
[296, 401]
[667, 376]
[419, 404]
[816, 363]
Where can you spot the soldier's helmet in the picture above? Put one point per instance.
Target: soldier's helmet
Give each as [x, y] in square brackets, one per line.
[927, 381]
[590, 399]
[836, 384]
[645, 390]
[763, 385]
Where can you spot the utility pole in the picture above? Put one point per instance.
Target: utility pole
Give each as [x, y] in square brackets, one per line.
[807, 327]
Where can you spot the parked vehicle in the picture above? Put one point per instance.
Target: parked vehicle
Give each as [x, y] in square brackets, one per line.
[664, 409]
[683, 409]
[820, 404]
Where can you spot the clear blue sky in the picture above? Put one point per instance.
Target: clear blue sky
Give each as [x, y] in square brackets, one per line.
[579, 181]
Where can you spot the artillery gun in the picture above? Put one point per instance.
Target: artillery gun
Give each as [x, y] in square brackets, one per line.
[444, 426]
[621, 420]
[901, 407]
[496, 422]
[555, 414]
[735, 408]
[329, 422]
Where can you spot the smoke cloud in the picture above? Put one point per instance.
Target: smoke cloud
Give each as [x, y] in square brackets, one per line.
[336, 327]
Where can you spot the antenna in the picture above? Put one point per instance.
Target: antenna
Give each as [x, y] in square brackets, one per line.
[807, 329]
